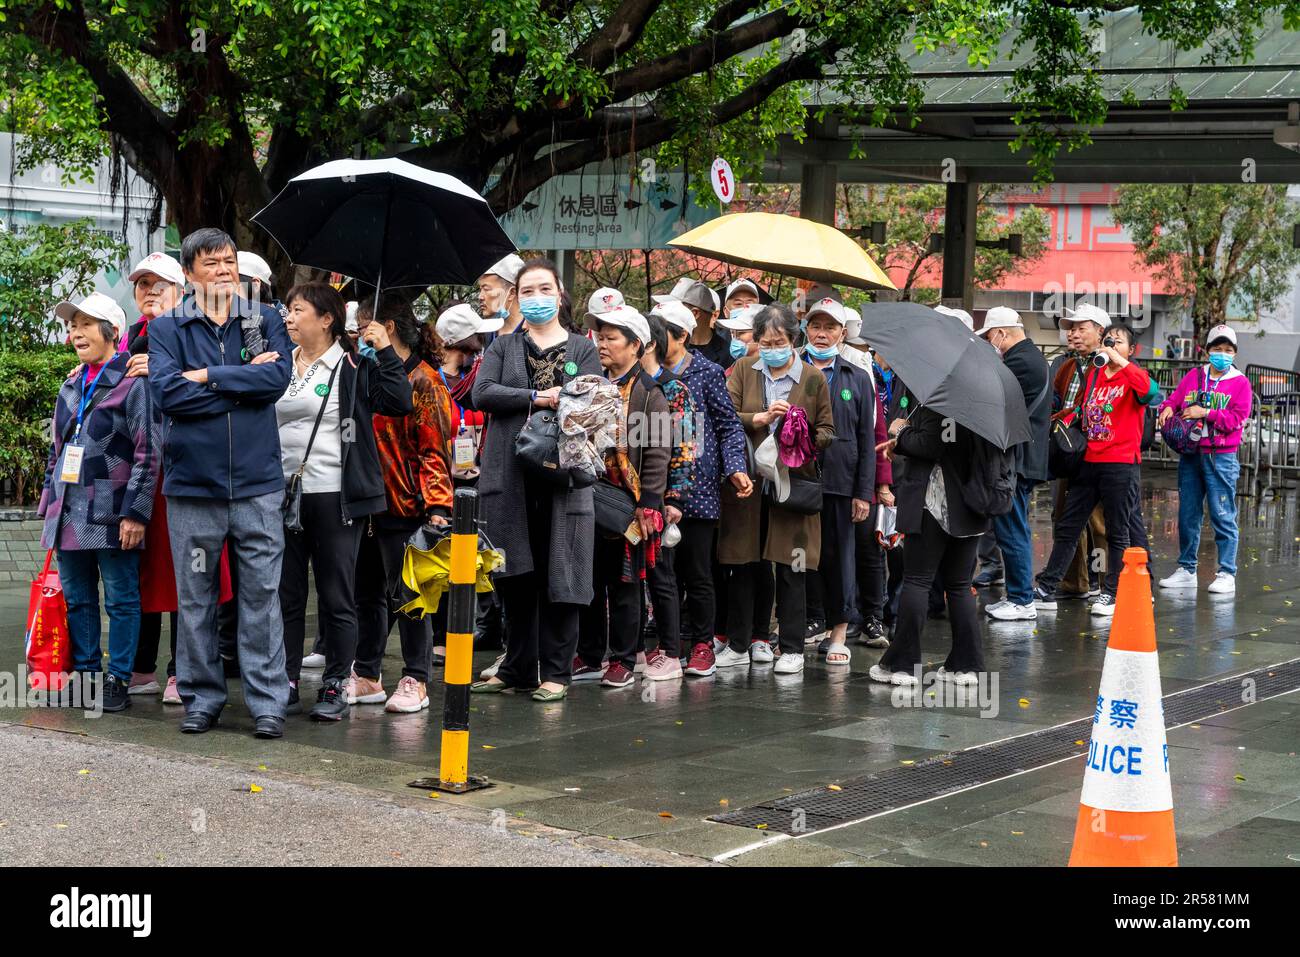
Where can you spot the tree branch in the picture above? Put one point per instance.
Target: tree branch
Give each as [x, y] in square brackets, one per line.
[622, 29]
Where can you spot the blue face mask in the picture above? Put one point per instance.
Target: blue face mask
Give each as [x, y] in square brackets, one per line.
[538, 310]
[1222, 361]
[830, 352]
[738, 348]
[775, 358]
[735, 313]
[367, 350]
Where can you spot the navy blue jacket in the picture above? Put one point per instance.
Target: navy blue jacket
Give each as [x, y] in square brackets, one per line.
[220, 440]
[849, 462]
[719, 438]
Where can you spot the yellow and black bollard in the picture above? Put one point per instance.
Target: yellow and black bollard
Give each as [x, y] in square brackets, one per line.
[453, 774]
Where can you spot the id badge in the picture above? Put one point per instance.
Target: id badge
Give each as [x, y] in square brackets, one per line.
[71, 471]
[464, 451]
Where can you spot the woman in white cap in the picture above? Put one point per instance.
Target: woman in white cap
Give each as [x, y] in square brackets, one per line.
[1218, 397]
[99, 492]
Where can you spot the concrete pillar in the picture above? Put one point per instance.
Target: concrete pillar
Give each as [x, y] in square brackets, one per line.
[817, 193]
[958, 290]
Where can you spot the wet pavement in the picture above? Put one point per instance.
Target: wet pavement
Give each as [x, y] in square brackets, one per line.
[652, 762]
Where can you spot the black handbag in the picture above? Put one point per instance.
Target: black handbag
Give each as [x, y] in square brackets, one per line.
[1067, 445]
[291, 507]
[614, 507]
[538, 447]
[805, 496]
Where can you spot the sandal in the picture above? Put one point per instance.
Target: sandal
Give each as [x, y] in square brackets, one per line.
[489, 687]
[838, 650]
[548, 696]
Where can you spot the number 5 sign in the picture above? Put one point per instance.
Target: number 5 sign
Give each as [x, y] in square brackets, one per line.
[724, 184]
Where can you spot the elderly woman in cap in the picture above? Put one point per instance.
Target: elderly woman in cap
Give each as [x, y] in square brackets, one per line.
[740, 329]
[99, 492]
[758, 533]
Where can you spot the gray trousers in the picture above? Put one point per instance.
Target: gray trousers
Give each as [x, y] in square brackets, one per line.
[255, 528]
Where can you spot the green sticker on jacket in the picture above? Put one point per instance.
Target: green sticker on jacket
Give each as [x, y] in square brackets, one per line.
[322, 390]
[846, 395]
[902, 403]
[243, 354]
[570, 368]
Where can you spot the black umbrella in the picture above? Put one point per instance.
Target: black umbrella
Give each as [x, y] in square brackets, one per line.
[949, 369]
[387, 222]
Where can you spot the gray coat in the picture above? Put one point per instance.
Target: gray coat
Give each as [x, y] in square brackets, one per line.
[501, 389]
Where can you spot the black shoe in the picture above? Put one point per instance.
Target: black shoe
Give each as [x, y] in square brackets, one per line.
[331, 703]
[814, 630]
[1045, 600]
[113, 694]
[874, 635]
[853, 632]
[295, 704]
[993, 575]
[198, 722]
[268, 726]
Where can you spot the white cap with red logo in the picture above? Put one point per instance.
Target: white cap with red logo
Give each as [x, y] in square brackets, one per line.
[1222, 332]
[625, 317]
[97, 306]
[827, 306]
[160, 265]
[603, 300]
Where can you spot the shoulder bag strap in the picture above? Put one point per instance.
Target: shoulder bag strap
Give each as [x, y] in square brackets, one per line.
[320, 414]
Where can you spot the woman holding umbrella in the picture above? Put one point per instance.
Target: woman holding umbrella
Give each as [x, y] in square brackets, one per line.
[546, 531]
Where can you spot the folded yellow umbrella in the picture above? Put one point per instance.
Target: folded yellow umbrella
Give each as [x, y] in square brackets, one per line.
[787, 245]
[427, 572]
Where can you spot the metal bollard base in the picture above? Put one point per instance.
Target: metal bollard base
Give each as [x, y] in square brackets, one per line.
[476, 782]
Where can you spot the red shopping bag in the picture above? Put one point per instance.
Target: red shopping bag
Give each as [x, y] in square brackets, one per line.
[47, 646]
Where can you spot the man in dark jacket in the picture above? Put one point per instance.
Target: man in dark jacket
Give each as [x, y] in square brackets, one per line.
[1005, 332]
[216, 387]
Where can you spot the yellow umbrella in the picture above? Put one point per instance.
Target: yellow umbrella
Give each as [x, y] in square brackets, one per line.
[787, 245]
[427, 572]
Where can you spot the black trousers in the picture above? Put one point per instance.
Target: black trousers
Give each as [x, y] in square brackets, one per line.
[745, 584]
[693, 566]
[1115, 486]
[540, 634]
[815, 596]
[331, 549]
[933, 552]
[613, 619]
[379, 569]
[869, 559]
[837, 566]
[665, 597]
[146, 650]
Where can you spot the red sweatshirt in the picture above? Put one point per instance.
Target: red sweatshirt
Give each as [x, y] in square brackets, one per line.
[1113, 413]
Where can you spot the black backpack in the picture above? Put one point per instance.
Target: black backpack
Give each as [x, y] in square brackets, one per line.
[991, 486]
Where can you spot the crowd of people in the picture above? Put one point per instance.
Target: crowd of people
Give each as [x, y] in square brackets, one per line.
[213, 458]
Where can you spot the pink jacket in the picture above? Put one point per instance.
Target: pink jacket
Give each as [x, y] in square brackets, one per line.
[1228, 400]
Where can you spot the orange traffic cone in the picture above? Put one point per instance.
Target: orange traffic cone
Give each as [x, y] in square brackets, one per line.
[1126, 810]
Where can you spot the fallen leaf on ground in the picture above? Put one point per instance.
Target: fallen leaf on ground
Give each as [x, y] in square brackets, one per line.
[761, 827]
[834, 787]
[254, 789]
[665, 814]
[908, 761]
[1024, 702]
[489, 747]
[724, 803]
[261, 767]
[83, 771]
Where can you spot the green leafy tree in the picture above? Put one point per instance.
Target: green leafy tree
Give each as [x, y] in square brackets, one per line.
[29, 384]
[1214, 245]
[42, 264]
[911, 213]
[218, 103]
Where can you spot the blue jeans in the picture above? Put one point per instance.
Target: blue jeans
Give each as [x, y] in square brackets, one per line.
[79, 574]
[1212, 477]
[1012, 533]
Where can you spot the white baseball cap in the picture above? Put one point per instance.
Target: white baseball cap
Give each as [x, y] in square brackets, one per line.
[961, 314]
[744, 319]
[679, 290]
[1000, 317]
[740, 284]
[853, 327]
[604, 300]
[97, 305]
[624, 317]
[506, 269]
[828, 306]
[161, 265]
[462, 321]
[1222, 332]
[675, 314]
[251, 264]
[1087, 312]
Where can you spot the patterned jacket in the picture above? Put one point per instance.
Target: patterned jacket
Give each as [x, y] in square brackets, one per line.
[681, 460]
[119, 468]
[415, 449]
[719, 438]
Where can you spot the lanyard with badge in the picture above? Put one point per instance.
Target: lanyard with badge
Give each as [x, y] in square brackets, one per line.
[70, 473]
[465, 447]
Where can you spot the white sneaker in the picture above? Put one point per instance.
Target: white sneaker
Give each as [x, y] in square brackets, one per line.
[789, 664]
[1223, 584]
[885, 676]
[1181, 578]
[960, 677]
[1010, 611]
[728, 657]
[491, 670]
[760, 652]
[313, 661]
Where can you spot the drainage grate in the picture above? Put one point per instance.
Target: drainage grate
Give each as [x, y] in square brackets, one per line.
[889, 790]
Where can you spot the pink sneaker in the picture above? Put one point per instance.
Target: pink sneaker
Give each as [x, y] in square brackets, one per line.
[409, 697]
[662, 667]
[365, 690]
[143, 684]
[172, 694]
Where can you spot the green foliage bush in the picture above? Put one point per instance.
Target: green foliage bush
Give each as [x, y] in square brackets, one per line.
[29, 383]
